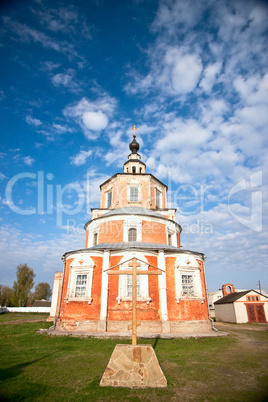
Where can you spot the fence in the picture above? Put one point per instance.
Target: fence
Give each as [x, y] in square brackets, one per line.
[25, 309]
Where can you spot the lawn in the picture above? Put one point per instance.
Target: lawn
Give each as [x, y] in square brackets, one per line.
[40, 367]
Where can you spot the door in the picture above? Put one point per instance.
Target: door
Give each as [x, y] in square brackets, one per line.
[255, 313]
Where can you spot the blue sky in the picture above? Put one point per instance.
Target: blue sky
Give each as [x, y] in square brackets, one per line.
[192, 75]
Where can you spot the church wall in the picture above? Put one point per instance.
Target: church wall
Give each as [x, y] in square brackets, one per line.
[123, 311]
[154, 232]
[186, 309]
[82, 310]
[111, 231]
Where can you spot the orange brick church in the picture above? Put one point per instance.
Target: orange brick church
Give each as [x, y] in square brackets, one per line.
[133, 221]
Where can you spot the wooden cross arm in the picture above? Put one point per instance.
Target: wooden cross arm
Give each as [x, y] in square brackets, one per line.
[118, 272]
[130, 326]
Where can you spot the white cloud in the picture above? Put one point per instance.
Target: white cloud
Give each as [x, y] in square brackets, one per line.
[33, 122]
[66, 80]
[95, 121]
[27, 35]
[93, 117]
[81, 158]
[210, 74]
[28, 160]
[183, 78]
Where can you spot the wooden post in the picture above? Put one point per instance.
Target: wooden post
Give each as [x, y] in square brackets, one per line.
[134, 264]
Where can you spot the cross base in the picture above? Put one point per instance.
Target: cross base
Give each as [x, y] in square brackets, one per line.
[133, 366]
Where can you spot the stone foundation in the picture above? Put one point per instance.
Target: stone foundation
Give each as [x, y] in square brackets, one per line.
[148, 327]
[133, 367]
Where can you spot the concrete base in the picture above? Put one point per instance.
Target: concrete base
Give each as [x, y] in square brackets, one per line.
[147, 326]
[133, 367]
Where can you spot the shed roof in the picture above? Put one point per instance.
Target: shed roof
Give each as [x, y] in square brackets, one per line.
[232, 297]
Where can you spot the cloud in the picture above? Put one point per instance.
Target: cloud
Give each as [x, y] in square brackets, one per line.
[28, 35]
[66, 80]
[33, 122]
[170, 72]
[28, 160]
[93, 117]
[43, 255]
[183, 78]
[81, 158]
[210, 74]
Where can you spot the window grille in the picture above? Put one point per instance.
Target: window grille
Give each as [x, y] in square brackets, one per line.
[134, 194]
[157, 198]
[81, 286]
[129, 286]
[109, 199]
[132, 234]
[187, 285]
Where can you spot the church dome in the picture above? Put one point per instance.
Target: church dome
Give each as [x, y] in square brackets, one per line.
[134, 146]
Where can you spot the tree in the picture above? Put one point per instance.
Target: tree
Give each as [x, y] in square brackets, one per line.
[6, 295]
[23, 285]
[42, 291]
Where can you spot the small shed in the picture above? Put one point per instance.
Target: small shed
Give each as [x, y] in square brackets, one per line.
[242, 307]
[42, 303]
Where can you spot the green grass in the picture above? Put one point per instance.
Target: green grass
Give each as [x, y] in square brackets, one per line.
[5, 317]
[44, 368]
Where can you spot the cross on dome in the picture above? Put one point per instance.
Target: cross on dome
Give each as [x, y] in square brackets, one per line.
[134, 146]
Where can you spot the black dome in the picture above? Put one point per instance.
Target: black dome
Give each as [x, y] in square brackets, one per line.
[134, 146]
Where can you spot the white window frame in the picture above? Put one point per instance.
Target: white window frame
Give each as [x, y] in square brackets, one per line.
[144, 285]
[171, 232]
[136, 185]
[132, 223]
[74, 272]
[190, 271]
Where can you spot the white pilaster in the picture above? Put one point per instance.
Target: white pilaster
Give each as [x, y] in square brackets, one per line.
[162, 286]
[104, 290]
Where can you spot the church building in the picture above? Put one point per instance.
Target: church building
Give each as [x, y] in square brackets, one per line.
[133, 221]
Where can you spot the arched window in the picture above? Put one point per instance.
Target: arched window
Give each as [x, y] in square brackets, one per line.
[132, 234]
[169, 239]
[133, 169]
[95, 239]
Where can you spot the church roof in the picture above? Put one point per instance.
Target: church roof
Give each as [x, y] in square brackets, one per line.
[139, 244]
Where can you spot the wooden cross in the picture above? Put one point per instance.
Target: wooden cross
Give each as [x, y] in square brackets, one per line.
[134, 128]
[134, 264]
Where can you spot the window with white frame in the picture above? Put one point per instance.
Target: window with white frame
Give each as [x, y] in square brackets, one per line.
[158, 198]
[188, 283]
[80, 284]
[134, 194]
[131, 235]
[125, 285]
[109, 198]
